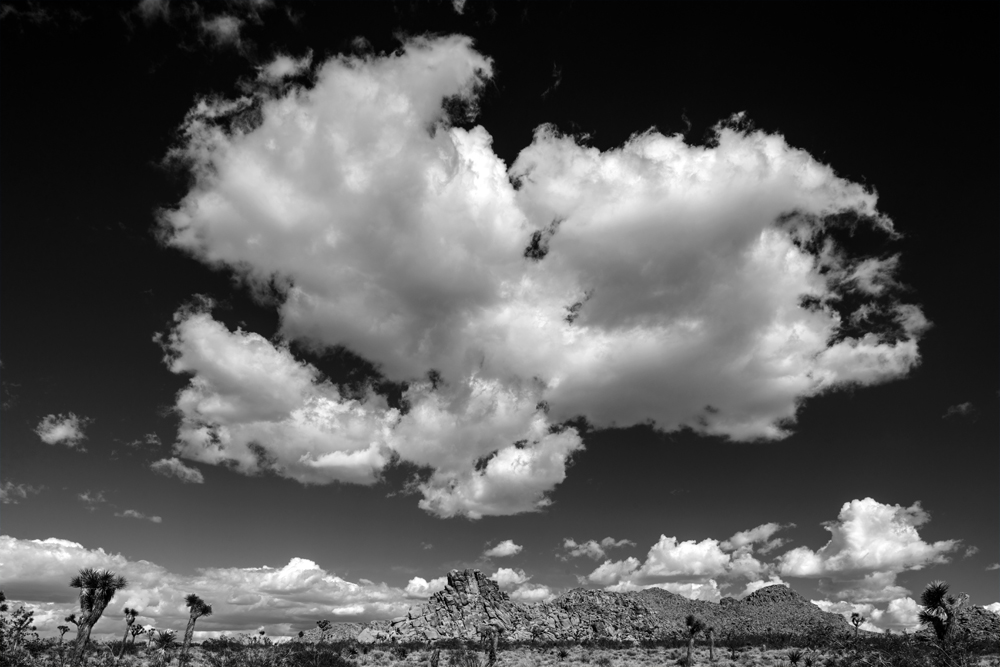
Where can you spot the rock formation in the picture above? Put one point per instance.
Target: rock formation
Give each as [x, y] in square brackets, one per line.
[471, 600]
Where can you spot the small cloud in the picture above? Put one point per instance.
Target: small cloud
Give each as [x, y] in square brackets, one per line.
[995, 608]
[148, 440]
[224, 29]
[62, 429]
[532, 593]
[418, 587]
[752, 586]
[592, 548]
[509, 578]
[133, 514]
[92, 499]
[12, 494]
[284, 66]
[971, 550]
[505, 548]
[966, 409]
[994, 566]
[173, 467]
[458, 6]
[426, 545]
[153, 10]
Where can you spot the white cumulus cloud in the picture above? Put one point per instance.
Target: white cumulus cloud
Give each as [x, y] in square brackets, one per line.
[505, 548]
[657, 282]
[62, 429]
[870, 543]
[418, 587]
[509, 578]
[173, 467]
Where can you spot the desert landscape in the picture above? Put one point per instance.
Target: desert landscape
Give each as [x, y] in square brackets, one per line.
[499, 333]
[772, 627]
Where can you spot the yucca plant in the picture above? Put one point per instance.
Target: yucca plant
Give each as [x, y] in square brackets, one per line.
[197, 608]
[97, 588]
[940, 610]
[130, 615]
[165, 639]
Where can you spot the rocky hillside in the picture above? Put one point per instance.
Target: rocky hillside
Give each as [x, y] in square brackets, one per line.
[471, 600]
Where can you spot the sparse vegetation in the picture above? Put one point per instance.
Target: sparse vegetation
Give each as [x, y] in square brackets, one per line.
[942, 645]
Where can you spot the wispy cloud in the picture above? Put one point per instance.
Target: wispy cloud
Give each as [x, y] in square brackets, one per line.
[966, 409]
[148, 440]
[92, 499]
[12, 494]
[134, 514]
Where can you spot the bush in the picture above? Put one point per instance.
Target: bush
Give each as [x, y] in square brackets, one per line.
[463, 658]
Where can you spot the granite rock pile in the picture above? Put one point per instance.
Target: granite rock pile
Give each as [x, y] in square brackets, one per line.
[470, 601]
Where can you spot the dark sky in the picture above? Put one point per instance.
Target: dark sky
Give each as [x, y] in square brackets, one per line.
[303, 332]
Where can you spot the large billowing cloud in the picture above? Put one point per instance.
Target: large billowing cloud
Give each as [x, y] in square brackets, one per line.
[282, 599]
[658, 282]
[870, 543]
[252, 405]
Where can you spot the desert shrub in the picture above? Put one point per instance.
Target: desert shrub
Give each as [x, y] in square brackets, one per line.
[462, 657]
[563, 653]
[603, 661]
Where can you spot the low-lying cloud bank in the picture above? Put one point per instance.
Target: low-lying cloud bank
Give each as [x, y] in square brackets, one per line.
[659, 282]
[283, 600]
[871, 543]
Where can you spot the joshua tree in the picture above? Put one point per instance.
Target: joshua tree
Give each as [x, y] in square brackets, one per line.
[130, 615]
[694, 626]
[198, 608]
[97, 587]
[136, 630]
[710, 631]
[940, 610]
[856, 620]
[63, 629]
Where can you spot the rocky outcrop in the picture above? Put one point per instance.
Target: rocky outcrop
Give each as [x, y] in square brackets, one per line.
[470, 600]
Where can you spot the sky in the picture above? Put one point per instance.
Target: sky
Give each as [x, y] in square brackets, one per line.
[304, 305]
